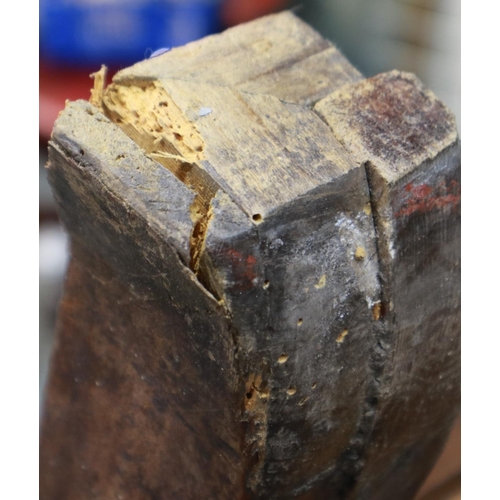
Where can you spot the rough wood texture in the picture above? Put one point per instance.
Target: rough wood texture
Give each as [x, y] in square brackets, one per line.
[408, 141]
[263, 300]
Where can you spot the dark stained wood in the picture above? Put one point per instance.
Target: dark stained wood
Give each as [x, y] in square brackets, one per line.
[409, 142]
[263, 295]
[136, 325]
[139, 406]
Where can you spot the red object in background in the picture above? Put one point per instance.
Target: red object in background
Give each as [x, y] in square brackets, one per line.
[241, 11]
[57, 84]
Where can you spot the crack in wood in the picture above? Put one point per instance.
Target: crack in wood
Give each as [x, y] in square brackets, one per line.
[147, 114]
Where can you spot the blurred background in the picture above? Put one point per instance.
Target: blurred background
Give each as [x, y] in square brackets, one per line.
[77, 36]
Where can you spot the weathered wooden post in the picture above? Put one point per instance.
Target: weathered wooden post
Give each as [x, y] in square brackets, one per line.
[263, 298]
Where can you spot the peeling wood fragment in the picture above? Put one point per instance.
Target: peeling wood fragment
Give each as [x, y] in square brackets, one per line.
[97, 93]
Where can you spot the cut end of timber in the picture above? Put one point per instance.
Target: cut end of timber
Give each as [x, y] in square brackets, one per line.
[390, 120]
[239, 118]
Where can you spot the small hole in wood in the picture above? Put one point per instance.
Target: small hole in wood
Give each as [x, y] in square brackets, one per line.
[82, 152]
[314, 385]
[265, 285]
[257, 218]
[300, 321]
[178, 136]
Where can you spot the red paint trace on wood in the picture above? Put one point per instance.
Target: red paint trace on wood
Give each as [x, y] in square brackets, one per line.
[424, 198]
[242, 269]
